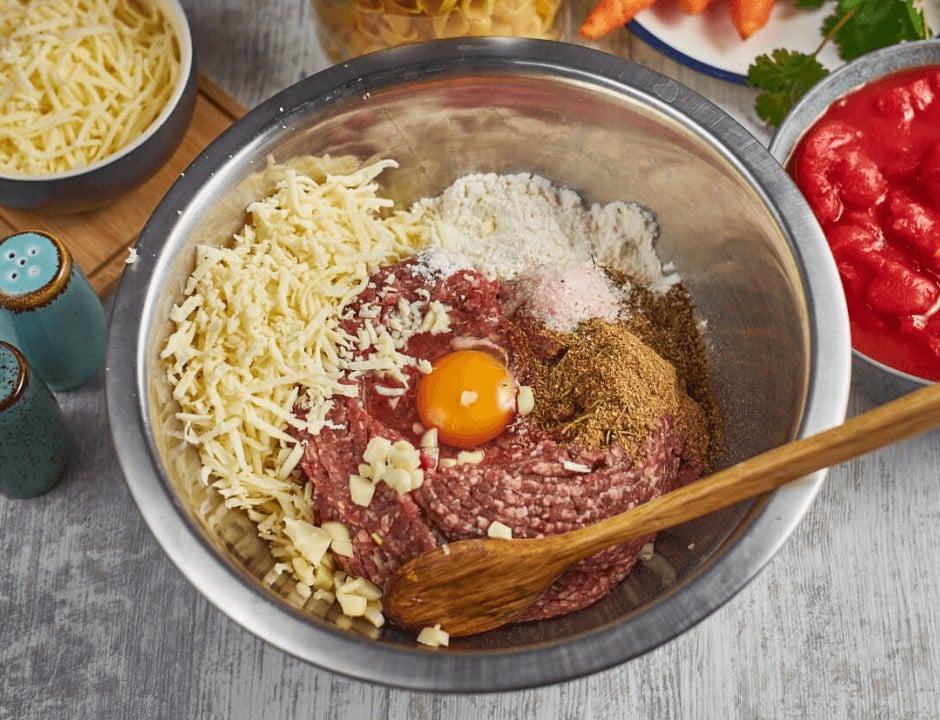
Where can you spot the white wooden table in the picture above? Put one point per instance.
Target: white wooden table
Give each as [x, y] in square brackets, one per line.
[96, 623]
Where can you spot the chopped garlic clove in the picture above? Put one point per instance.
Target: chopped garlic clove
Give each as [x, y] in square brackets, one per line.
[433, 637]
[342, 547]
[499, 530]
[312, 542]
[352, 605]
[525, 400]
[467, 457]
[361, 490]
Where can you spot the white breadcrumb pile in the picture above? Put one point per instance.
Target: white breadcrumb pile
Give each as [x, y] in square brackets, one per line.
[507, 224]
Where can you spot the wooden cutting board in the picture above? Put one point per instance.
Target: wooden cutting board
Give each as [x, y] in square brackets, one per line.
[99, 239]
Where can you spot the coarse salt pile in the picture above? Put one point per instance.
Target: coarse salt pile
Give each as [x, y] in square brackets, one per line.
[562, 297]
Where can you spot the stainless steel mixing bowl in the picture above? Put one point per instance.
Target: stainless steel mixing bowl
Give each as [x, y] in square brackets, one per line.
[737, 229]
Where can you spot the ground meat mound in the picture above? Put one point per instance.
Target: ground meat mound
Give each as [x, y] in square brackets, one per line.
[543, 489]
[533, 478]
[387, 532]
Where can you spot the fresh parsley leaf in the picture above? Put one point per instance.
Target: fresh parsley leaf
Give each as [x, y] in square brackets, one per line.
[784, 76]
[873, 24]
[856, 26]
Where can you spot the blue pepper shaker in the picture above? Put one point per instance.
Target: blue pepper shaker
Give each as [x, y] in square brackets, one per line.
[49, 311]
[34, 444]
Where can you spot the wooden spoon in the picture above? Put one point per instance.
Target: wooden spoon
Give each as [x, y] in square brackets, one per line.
[471, 586]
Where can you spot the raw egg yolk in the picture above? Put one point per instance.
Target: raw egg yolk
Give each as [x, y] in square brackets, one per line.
[469, 396]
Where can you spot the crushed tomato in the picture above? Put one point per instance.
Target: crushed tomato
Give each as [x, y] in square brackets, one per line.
[870, 170]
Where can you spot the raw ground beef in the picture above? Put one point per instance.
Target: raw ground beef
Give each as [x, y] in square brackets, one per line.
[329, 459]
[531, 482]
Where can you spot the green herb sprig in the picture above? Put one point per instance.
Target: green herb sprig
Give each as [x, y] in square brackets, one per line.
[855, 26]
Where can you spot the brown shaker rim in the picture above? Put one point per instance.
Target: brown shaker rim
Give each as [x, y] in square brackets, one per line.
[21, 382]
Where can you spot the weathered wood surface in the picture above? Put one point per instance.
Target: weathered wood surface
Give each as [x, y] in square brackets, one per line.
[95, 622]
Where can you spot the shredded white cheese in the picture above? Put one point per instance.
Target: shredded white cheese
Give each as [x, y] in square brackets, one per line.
[259, 334]
[80, 79]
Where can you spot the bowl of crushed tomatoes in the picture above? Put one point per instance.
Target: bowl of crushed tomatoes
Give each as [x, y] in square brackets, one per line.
[864, 148]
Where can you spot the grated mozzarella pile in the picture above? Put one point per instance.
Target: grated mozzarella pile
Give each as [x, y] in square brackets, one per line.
[259, 333]
[80, 79]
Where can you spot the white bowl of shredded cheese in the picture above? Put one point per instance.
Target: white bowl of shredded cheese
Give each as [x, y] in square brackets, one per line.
[96, 98]
[299, 259]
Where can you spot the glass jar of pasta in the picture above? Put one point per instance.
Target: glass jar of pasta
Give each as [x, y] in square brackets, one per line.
[347, 28]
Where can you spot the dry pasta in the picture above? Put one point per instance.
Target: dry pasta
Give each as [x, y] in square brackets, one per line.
[80, 79]
[353, 27]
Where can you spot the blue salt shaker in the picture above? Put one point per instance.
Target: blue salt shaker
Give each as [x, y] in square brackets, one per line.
[34, 445]
[49, 311]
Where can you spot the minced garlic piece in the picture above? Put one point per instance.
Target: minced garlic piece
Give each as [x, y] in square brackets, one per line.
[434, 637]
[361, 490]
[310, 541]
[340, 539]
[396, 464]
[357, 597]
[468, 397]
[525, 400]
[499, 530]
[352, 605]
[469, 457]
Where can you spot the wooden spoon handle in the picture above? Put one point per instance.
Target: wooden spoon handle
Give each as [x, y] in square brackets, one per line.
[897, 420]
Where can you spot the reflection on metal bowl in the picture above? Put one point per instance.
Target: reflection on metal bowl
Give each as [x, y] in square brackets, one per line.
[741, 236]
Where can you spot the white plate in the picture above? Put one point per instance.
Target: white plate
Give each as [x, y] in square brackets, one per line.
[710, 44]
